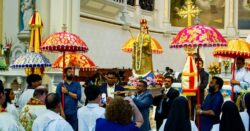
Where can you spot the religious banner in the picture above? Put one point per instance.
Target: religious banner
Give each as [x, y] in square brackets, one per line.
[189, 79]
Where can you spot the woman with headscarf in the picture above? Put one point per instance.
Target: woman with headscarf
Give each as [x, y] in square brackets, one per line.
[178, 119]
[245, 115]
[230, 119]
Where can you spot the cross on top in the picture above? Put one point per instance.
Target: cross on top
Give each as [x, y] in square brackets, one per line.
[189, 11]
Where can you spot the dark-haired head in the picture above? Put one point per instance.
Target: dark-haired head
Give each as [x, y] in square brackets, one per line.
[2, 95]
[199, 63]
[66, 69]
[9, 96]
[219, 81]
[112, 78]
[240, 62]
[52, 102]
[215, 84]
[69, 74]
[92, 93]
[40, 93]
[112, 73]
[170, 78]
[34, 80]
[1, 87]
[145, 85]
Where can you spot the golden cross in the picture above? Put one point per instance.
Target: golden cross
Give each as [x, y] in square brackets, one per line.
[189, 11]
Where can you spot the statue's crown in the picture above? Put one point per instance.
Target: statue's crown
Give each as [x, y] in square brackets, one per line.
[143, 21]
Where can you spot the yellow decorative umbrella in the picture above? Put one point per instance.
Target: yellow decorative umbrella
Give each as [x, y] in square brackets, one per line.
[35, 25]
[155, 45]
[236, 48]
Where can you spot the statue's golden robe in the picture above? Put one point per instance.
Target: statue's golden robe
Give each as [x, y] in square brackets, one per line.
[142, 55]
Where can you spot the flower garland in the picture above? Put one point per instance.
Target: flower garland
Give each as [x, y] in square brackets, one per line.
[133, 80]
[138, 43]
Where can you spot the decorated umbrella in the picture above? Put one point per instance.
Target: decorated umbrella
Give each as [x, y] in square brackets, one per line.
[236, 48]
[31, 60]
[190, 38]
[35, 25]
[75, 60]
[197, 36]
[62, 42]
[155, 45]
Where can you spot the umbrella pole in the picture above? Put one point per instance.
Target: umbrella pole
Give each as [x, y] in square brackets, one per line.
[63, 79]
[198, 88]
[233, 77]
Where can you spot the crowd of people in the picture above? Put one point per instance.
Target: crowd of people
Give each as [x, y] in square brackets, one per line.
[112, 107]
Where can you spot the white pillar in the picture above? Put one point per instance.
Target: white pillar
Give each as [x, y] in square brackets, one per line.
[230, 25]
[55, 13]
[231, 14]
[166, 12]
[157, 16]
[56, 16]
[137, 8]
[75, 16]
[166, 18]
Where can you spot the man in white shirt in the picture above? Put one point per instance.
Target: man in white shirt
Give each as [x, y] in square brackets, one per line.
[242, 78]
[51, 120]
[33, 80]
[110, 89]
[88, 114]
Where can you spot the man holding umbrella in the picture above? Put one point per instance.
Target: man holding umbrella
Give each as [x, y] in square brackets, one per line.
[242, 78]
[70, 92]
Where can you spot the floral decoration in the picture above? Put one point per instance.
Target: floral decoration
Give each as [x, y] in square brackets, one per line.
[133, 80]
[214, 68]
[226, 65]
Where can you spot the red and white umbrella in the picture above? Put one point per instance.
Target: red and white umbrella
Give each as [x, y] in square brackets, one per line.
[64, 42]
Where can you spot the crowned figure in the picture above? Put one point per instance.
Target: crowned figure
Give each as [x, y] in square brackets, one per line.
[142, 64]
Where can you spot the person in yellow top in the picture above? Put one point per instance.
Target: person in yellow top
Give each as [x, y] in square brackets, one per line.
[142, 53]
